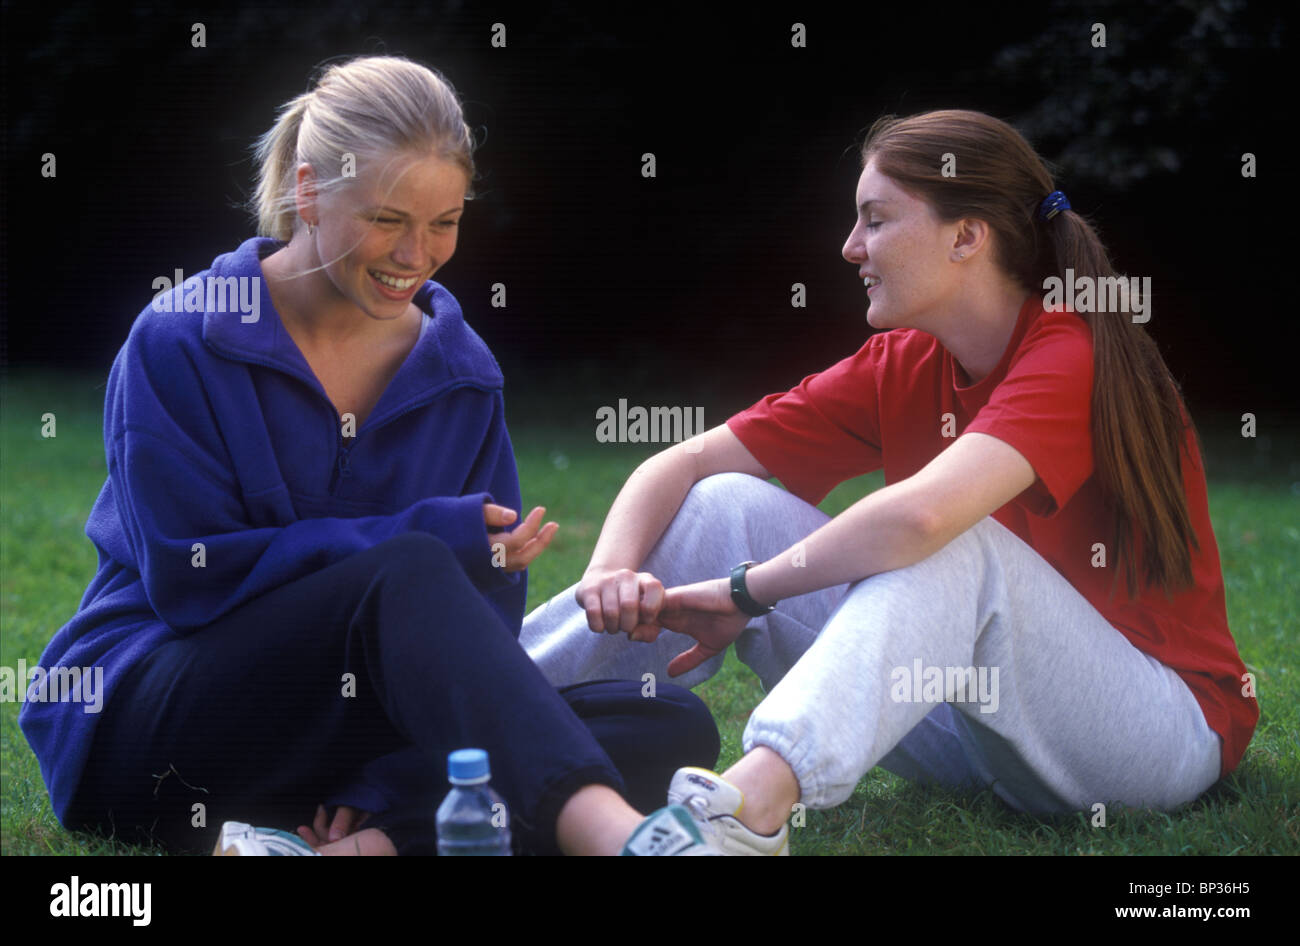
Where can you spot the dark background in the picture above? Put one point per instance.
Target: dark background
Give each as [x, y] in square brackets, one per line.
[673, 290]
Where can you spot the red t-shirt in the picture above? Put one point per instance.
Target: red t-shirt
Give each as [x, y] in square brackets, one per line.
[885, 407]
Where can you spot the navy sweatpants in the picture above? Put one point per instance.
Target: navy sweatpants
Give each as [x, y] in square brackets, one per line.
[254, 718]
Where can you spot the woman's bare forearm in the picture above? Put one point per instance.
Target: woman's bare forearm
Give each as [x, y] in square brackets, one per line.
[645, 506]
[882, 531]
[613, 592]
[654, 493]
[900, 524]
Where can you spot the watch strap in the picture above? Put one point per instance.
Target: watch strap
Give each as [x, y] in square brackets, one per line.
[740, 593]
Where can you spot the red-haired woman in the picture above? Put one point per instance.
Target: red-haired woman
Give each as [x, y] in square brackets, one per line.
[1034, 601]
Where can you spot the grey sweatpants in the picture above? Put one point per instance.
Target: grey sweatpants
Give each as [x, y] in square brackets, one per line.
[979, 666]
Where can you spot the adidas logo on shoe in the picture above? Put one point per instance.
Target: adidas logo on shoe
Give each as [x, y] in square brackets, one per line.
[669, 832]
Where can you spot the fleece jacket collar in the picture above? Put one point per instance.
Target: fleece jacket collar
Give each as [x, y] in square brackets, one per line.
[441, 359]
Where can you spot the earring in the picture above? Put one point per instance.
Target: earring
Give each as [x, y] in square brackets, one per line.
[311, 229]
[961, 255]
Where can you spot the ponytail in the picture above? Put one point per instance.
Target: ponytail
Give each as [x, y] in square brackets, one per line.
[1137, 426]
[277, 153]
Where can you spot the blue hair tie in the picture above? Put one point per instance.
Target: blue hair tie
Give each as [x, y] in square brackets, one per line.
[1052, 205]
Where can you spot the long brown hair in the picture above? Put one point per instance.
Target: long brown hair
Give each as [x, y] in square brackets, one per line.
[1137, 421]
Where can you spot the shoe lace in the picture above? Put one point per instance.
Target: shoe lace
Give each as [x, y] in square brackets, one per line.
[698, 805]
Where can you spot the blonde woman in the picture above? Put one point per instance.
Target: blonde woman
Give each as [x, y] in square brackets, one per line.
[311, 573]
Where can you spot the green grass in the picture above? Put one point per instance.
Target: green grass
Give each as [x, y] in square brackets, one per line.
[47, 487]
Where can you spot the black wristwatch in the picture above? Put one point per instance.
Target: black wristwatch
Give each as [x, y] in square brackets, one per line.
[740, 594]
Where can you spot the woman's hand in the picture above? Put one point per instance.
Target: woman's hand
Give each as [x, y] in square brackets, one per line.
[322, 831]
[523, 544]
[706, 612]
[619, 599]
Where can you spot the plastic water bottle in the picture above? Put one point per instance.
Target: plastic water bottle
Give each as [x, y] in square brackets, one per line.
[472, 819]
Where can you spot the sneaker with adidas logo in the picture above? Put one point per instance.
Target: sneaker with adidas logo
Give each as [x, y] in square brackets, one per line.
[715, 805]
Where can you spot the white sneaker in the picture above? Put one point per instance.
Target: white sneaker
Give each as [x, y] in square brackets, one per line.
[714, 803]
[243, 839]
[669, 832]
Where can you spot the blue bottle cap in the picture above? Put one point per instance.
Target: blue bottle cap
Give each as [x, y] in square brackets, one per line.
[466, 766]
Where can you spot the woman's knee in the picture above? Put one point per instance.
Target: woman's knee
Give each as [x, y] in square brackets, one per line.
[737, 513]
[647, 721]
[421, 572]
[724, 491]
[413, 554]
[687, 724]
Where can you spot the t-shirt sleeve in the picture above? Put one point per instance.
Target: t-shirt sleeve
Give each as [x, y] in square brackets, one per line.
[1043, 408]
[820, 433]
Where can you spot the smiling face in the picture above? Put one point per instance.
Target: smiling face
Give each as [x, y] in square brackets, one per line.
[903, 253]
[386, 233]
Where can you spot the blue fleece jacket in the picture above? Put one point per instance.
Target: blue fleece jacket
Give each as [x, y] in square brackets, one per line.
[216, 431]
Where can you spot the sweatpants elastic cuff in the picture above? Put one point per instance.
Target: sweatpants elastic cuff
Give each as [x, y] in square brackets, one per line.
[811, 789]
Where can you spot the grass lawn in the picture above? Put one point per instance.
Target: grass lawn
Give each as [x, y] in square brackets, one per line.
[47, 487]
